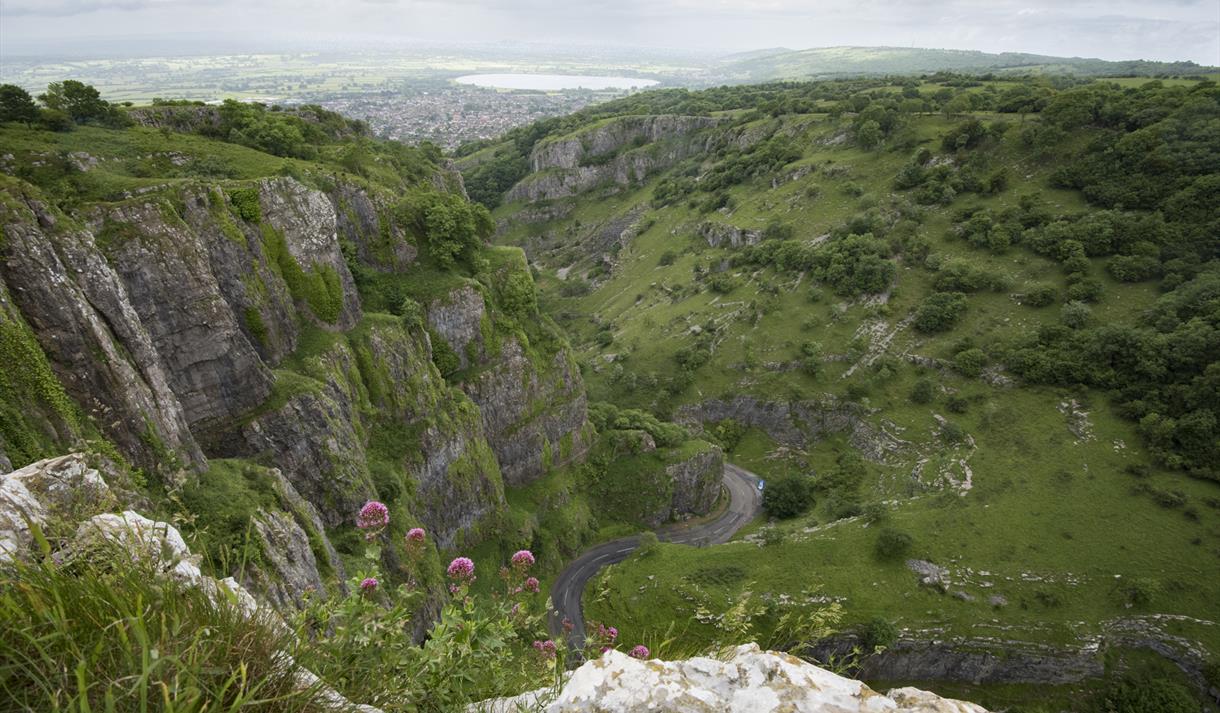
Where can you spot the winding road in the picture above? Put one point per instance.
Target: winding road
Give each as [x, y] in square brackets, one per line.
[744, 503]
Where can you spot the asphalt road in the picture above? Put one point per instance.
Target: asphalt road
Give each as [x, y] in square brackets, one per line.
[745, 502]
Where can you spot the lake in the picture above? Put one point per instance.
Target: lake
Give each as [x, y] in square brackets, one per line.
[552, 82]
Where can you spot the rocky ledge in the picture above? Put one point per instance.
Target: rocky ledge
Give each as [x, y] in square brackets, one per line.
[748, 680]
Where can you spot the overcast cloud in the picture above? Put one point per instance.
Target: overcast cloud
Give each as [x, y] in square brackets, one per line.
[1115, 29]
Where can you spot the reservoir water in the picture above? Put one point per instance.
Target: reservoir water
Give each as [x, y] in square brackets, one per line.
[553, 82]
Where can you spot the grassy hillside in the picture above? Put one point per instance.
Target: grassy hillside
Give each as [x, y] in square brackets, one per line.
[770, 65]
[1016, 284]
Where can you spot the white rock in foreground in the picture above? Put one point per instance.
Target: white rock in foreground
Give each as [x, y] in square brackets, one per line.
[750, 681]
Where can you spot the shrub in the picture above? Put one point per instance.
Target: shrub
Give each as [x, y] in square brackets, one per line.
[923, 392]
[1041, 296]
[876, 512]
[892, 544]
[970, 362]
[446, 360]
[940, 312]
[951, 433]
[876, 633]
[787, 496]
[668, 258]
[771, 536]
[1075, 315]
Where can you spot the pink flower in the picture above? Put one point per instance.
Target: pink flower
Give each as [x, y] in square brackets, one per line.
[546, 648]
[373, 517]
[523, 559]
[532, 585]
[369, 584]
[604, 649]
[415, 534]
[461, 568]
[612, 633]
[639, 652]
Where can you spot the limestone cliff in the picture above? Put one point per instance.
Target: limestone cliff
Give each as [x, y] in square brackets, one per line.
[197, 321]
[619, 152]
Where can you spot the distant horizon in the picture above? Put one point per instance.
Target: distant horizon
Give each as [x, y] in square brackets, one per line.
[1111, 30]
[171, 46]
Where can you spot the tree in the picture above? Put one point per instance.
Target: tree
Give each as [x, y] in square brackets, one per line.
[868, 136]
[16, 104]
[78, 100]
[786, 497]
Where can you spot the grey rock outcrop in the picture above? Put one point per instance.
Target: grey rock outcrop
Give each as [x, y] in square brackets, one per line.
[747, 680]
[312, 438]
[307, 220]
[363, 220]
[83, 318]
[799, 423]
[286, 549]
[534, 418]
[459, 318]
[620, 152]
[696, 483]
[717, 234]
[213, 369]
[976, 661]
[48, 494]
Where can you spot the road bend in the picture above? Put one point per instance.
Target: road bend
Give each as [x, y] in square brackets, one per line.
[566, 593]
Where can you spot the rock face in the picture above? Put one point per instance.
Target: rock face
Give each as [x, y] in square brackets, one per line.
[798, 423]
[213, 369]
[717, 234]
[47, 494]
[748, 681]
[83, 318]
[620, 152]
[696, 483]
[534, 418]
[975, 661]
[459, 318]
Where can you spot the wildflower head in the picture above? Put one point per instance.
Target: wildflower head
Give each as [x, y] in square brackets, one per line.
[523, 559]
[461, 569]
[373, 517]
[415, 535]
[639, 652]
[546, 648]
[369, 584]
[532, 585]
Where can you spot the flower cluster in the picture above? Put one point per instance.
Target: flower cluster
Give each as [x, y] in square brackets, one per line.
[640, 652]
[461, 569]
[531, 585]
[415, 543]
[602, 638]
[522, 559]
[373, 518]
[547, 648]
[369, 584]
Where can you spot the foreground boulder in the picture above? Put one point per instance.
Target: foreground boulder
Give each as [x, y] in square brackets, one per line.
[749, 681]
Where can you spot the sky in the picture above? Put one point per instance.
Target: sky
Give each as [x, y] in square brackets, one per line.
[1107, 29]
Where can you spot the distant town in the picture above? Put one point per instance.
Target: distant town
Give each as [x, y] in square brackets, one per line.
[452, 115]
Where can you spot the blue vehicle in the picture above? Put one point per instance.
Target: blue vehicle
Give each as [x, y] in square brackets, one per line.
[761, 483]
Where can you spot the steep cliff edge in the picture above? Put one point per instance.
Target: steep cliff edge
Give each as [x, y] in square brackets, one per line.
[202, 320]
[618, 152]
